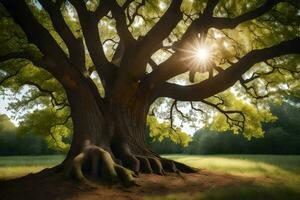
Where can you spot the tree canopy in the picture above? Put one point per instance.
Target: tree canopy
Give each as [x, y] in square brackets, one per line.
[250, 52]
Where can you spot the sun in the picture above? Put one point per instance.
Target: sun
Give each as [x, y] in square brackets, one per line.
[199, 55]
[202, 54]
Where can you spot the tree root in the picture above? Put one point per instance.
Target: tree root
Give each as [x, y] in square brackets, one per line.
[96, 162]
[158, 165]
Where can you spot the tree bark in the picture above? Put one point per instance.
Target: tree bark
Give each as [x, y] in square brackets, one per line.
[115, 125]
[111, 134]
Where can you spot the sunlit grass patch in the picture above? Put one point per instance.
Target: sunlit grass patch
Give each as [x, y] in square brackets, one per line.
[258, 165]
[16, 166]
[9, 172]
[280, 170]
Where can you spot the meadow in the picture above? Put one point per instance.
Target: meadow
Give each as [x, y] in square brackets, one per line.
[16, 166]
[275, 176]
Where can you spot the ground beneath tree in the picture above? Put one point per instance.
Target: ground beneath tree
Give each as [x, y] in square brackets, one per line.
[49, 187]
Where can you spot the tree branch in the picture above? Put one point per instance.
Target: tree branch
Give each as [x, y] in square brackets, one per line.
[17, 55]
[75, 46]
[210, 6]
[102, 10]
[231, 121]
[173, 66]
[6, 78]
[162, 29]
[40, 36]
[89, 25]
[222, 23]
[119, 14]
[228, 77]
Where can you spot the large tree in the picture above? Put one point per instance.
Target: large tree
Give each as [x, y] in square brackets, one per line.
[115, 58]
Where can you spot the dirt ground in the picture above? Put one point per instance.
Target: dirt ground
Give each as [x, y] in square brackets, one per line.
[53, 187]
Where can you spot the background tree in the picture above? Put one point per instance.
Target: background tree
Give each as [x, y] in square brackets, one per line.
[281, 137]
[104, 63]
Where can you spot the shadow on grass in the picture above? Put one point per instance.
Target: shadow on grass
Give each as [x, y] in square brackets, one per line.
[252, 192]
[244, 192]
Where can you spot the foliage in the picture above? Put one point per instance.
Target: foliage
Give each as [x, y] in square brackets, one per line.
[160, 131]
[5, 124]
[19, 141]
[36, 94]
[50, 123]
[281, 137]
[254, 117]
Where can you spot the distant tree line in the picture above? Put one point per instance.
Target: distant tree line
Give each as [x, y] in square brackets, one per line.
[12, 143]
[281, 137]
[29, 144]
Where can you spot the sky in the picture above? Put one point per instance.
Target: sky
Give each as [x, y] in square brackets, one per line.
[3, 105]
[3, 109]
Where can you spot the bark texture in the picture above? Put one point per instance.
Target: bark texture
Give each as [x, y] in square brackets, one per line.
[109, 139]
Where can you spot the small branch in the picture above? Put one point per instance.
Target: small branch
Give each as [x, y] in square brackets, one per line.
[196, 109]
[10, 76]
[180, 112]
[16, 55]
[230, 121]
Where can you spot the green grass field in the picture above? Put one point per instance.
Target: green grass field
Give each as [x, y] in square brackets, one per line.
[280, 175]
[16, 166]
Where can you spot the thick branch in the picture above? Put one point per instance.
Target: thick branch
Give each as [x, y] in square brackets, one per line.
[40, 36]
[222, 23]
[162, 29]
[119, 14]
[230, 76]
[101, 10]
[75, 46]
[210, 6]
[89, 25]
[173, 66]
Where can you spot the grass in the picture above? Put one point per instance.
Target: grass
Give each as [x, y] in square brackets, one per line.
[245, 165]
[16, 166]
[282, 173]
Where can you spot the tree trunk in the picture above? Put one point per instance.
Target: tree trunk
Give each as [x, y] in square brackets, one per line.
[109, 136]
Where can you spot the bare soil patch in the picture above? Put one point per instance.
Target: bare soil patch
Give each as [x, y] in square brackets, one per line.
[47, 186]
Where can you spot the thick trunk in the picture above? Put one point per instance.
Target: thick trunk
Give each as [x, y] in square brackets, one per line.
[109, 136]
[114, 126]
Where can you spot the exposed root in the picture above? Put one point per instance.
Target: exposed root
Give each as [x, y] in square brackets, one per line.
[169, 165]
[96, 162]
[150, 164]
[184, 168]
[156, 165]
[131, 162]
[145, 166]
